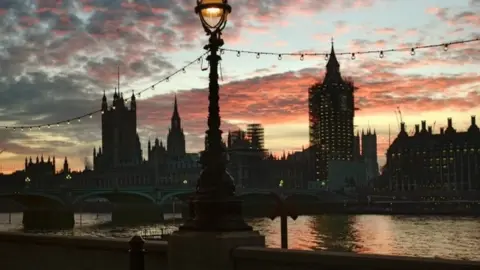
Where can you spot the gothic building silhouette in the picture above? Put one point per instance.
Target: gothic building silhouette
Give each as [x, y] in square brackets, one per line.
[369, 153]
[120, 142]
[176, 137]
[449, 160]
[331, 114]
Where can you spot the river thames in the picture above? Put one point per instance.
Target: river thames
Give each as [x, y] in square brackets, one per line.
[424, 236]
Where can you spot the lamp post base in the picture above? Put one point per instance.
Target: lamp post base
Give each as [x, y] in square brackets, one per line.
[216, 215]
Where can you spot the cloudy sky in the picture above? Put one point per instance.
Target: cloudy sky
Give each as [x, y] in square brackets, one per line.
[57, 57]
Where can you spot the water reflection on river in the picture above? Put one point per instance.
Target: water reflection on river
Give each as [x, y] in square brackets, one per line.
[447, 237]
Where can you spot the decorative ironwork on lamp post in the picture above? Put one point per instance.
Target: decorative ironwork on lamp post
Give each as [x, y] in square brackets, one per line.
[215, 207]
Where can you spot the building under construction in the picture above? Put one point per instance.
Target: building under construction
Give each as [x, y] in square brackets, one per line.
[331, 114]
[256, 136]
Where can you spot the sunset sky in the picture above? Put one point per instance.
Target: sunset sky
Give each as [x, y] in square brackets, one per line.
[57, 57]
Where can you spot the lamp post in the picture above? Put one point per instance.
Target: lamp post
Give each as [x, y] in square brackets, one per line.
[214, 205]
[27, 182]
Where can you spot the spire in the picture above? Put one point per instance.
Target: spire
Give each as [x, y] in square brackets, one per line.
[175, 115]
[104, 102]
[133, 102]
[175, 121]
[333, 66]
[118, 78]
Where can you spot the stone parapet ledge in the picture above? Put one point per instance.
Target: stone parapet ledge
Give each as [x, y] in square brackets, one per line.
[32, 251]
[251, 258]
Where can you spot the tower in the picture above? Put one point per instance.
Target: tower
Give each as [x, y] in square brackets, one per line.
[356, 147]
[255, 133]
[369, 153]
[120, 141]
[331, 113]
[175, 137]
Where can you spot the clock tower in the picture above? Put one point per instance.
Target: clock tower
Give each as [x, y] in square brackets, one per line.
[331, 114]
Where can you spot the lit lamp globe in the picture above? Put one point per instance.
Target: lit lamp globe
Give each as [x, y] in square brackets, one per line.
[213, 14]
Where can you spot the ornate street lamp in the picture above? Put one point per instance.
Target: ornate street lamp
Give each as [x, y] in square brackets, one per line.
[214, 205]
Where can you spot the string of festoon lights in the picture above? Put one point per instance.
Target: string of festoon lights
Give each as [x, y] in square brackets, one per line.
[199, 60]
[353, 55]
[89, 115]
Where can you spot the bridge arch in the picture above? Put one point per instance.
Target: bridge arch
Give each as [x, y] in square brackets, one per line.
[114, 196]
[265, 196]
[177, 194]
[35, 200]
[299, 197]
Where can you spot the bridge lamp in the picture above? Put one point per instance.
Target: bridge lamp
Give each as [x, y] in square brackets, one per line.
[27, 180]
[214, 205]
[280, 184]
[68, 177]
[185, 182]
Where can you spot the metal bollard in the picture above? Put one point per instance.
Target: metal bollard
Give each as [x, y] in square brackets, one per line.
[137, 253]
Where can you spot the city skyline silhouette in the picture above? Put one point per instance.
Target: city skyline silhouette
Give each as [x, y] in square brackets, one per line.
[57, 74]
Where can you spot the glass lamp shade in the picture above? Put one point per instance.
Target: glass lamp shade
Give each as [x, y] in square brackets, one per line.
[213, 13]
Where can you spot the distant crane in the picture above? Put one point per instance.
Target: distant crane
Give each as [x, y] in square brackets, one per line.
[400, 114]
[398, 122]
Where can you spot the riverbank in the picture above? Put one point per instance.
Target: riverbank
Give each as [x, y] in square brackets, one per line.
[426, 236]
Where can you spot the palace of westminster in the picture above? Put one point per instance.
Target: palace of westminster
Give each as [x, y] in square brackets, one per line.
[337, 159]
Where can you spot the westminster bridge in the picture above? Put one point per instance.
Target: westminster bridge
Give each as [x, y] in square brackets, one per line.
[54, 208]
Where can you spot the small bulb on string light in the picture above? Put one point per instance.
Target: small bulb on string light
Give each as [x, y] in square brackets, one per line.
[68, 122]
[30, 128]
[412, 51]
[258, 55]
[113, 107]
[58, 124]
[222, 51]
[78, 119]
[445, 47]
[167, 79]
[279, 57]
[353, 56]
[21, 129]
[48, 126]
[153, 87]
[103, 112]
[39, 127]
[381, 54]
[199, 59]
[326, 57]
[14, 128]
[183, 70]
[139, 95]
[238, 54]
[91, 116]
[302, 57]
